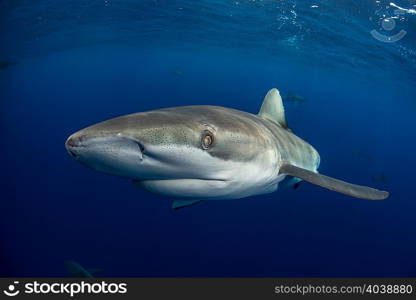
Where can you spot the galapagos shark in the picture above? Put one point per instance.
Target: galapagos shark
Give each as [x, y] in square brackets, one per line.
[200, 153]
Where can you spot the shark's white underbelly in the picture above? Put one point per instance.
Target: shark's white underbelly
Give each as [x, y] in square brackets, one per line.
[247, 179]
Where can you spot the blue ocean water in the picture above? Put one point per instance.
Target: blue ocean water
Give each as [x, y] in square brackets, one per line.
[69, 64]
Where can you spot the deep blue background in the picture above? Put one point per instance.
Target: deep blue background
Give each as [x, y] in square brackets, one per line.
[80, 62]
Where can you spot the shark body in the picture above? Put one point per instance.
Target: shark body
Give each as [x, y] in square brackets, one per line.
[195, 153]
[76, 270]
[293, 97]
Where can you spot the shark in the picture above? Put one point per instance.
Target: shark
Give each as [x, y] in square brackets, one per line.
[4, 64]
[204, 153]
[293, 97]
[76, 270]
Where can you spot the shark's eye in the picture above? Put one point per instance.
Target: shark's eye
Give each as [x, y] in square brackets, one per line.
[207, 140]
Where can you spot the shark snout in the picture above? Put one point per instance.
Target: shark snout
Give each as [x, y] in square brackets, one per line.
[70, 144]
[73, 143]
[110, 153]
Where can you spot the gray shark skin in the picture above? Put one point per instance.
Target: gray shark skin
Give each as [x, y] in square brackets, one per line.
[195, 153]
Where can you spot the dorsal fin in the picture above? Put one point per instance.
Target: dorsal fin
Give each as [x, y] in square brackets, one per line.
[272, 108]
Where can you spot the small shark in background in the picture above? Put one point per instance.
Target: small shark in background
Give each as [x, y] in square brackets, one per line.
[361, 155]
[293, 97]
[76, 270]
[206, 153]
[4, 64]
[381, 178]
[177, 72]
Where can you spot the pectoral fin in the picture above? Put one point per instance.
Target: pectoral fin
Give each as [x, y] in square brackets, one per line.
[178, 204]
[333, 184]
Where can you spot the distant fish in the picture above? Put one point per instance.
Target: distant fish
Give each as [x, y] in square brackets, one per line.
[361, 154]
[293, 97]
[4, 64]
[177, 72]
[380, 178]
[76, 270]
